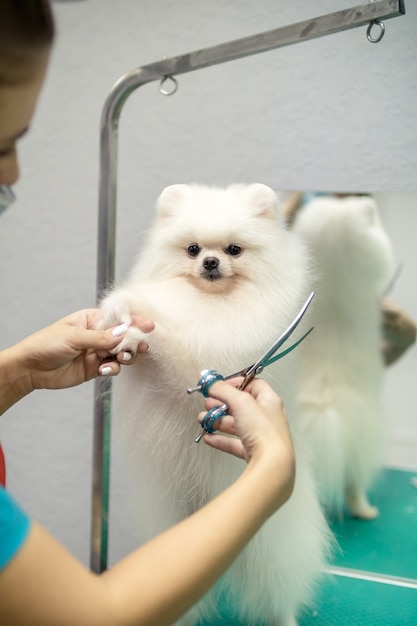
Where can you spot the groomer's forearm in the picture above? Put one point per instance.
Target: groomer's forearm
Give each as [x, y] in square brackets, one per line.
[210, 540]
[15, 382]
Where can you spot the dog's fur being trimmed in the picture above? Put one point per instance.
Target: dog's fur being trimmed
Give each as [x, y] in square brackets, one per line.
[342, 371]
[222, 278]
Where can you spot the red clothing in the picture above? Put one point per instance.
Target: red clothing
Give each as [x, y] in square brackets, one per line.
[2, 468]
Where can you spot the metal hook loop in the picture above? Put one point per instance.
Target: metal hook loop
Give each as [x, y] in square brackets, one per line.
[173, 86]
[381, 33]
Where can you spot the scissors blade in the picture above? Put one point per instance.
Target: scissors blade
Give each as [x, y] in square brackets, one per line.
[250, 372]
[262, 361]
[237, 374]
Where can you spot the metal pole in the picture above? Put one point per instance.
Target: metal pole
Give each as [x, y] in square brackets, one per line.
[247, 46]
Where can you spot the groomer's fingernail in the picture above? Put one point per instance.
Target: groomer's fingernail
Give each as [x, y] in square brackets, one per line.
[127, 356]
[105, 371]
[119, 330]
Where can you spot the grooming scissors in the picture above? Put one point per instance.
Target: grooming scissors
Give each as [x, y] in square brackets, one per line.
[208, 377]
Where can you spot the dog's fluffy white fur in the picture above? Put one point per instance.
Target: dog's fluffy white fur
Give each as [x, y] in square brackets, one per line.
[222, 278]
[342, 371]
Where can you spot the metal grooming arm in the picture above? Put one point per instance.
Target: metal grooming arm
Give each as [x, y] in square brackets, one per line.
[369, 14]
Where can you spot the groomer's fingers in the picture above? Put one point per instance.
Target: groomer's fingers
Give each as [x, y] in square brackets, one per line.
[231, 445]
[127, 357]
[109, 368]
[225, 424]
[102, 341]
[144, 324]
[258, 390]
[114, 361]
[143, 347]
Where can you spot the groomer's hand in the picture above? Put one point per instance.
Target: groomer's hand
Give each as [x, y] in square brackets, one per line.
[256, 430]
[398, 331]
[71, 351]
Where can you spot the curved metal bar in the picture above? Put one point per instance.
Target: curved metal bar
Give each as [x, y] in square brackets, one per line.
[270, 40]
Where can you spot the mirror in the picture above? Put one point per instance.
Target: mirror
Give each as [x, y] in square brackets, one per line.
[384, 549]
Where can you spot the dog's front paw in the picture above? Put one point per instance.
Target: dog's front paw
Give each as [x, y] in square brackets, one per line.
[132, 338]
[115, 312]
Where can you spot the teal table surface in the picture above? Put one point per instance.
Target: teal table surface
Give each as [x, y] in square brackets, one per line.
[386, 546]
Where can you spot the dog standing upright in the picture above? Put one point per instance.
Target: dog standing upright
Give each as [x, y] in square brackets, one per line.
[222, 278]
[340, 399]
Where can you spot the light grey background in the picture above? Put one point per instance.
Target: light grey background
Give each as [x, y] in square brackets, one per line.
[332, 114]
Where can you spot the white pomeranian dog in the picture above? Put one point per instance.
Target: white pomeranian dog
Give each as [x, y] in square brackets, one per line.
[221, 278]
[340, 398]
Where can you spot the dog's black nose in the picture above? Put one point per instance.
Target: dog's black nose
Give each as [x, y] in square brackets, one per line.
[210, 263]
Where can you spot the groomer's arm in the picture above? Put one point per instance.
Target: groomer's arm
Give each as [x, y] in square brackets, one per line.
[14, 384]
[45, 586]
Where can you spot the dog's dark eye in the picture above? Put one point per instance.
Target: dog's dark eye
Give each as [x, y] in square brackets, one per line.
[233, 249]
[194, 249]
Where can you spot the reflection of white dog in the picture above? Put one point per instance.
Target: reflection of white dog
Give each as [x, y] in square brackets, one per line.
[340, 398]
[221, 278]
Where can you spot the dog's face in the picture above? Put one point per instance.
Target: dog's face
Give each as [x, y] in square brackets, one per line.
[215, 267]
[217, 239]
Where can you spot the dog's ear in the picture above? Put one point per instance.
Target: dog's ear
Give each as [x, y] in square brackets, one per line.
[170, 199]
[263, 200]
[367, 207]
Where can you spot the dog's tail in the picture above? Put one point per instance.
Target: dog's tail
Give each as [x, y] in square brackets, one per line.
[346, 438]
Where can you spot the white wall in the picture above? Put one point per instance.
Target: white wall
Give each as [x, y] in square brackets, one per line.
[335, 113]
